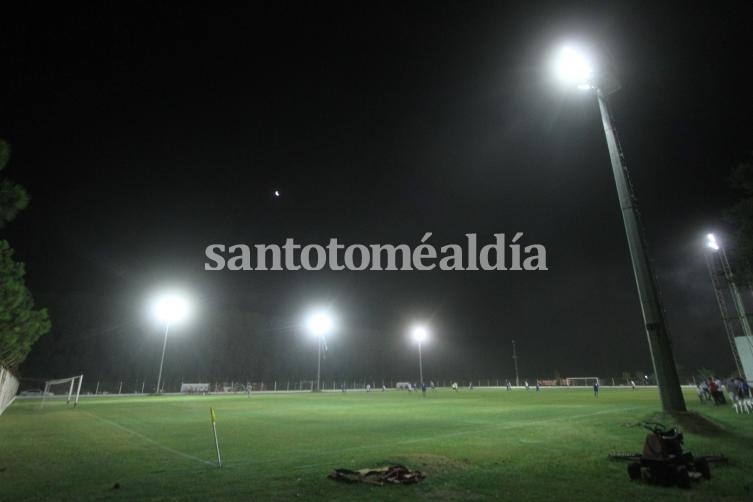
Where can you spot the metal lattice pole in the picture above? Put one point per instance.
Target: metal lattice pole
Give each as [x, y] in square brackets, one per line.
[729, 329]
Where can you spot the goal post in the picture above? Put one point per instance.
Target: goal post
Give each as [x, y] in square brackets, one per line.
[580, 381]
[72, 384]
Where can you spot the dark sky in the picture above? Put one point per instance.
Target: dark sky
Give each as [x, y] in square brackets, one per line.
[146, 132]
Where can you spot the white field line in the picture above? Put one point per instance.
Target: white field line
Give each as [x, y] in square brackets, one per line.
[428, 438]
[149, 440]
[287, 457]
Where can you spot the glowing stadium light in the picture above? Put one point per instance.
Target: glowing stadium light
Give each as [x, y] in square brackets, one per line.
[573, 67]
[711, 242]
[420, 334]
[319, 324]
[169, 308]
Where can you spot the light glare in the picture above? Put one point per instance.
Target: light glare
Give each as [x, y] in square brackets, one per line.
[171, 308]
[420, 334]
[573, 68]
[711, 242]
[319, 323]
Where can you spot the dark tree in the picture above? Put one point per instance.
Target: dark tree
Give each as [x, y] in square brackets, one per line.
[20, 324]
[740, 216]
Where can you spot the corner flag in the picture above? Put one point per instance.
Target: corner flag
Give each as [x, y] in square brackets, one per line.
[213, 418]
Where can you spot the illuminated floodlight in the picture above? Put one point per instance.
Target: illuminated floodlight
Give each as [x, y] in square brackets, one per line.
[711, 242]
[319, 324]
[277, 193]
[420, 334]
[572, 67]
[171, 308]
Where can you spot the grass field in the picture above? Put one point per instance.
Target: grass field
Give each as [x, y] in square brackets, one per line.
[472, 445]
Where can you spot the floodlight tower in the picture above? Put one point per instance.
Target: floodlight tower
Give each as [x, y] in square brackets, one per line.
[420, 334]
[575, 69]
[319, 324]
[169, 308]
[718, 251]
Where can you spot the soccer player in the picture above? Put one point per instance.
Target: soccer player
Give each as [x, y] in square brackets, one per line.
[596, 388]
[508, 385]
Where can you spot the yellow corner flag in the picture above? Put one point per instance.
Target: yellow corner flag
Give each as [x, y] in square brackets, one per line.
[213, 417]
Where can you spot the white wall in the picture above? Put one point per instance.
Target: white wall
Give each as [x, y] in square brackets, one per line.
[8, 389]
[745, 350]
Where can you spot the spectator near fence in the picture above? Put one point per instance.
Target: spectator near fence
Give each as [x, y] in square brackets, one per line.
[702, 389]
[731, 387]
[715, 389]
[743, 388]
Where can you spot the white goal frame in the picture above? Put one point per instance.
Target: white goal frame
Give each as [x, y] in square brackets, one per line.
[586, 381]
[72, 380]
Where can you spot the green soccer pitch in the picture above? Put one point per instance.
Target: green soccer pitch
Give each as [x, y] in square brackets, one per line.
[472, 445]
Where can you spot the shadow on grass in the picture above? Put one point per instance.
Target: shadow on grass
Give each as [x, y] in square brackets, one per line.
[690, 421]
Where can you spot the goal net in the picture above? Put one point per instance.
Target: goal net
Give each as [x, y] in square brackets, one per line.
[580, 381]
[70, 387]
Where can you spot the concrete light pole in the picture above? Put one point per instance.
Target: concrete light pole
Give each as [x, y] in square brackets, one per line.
[574, 68]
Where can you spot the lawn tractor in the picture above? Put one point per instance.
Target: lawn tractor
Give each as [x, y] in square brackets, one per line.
[663, 462]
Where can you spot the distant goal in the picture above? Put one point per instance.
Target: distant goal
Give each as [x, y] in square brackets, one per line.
[580, 381]
[62, 386]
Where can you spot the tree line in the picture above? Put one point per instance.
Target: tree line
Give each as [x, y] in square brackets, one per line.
[21, 324]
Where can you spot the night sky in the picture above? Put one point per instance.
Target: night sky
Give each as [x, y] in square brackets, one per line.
[145, 133]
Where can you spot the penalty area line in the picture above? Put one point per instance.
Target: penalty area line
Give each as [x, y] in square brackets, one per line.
[149, 440]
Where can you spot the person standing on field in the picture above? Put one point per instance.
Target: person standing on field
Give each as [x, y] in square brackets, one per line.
[596, 388]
